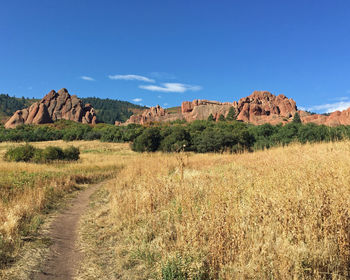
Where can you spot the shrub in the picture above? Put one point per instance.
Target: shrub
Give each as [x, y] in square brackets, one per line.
[29, 153]
[21, 153]
[71, 153]
[52, 153]
[177, 139]
[38, 156]
[148, 141]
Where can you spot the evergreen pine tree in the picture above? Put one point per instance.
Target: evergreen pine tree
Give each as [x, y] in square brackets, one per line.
[296, 118]
[231, 116]
[221, 118]
[211, 118]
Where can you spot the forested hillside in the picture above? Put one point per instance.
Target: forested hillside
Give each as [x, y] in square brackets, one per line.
[108, 110]
[9, 105]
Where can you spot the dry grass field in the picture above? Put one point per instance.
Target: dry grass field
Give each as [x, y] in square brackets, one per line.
[276, 214]
[29, 190]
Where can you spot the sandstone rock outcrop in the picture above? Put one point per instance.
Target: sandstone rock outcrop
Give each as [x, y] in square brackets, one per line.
[260, 107]
[54, 106]
[153, 114]
[333, 119]
[263, 107]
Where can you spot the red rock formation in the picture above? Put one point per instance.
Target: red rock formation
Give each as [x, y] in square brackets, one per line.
[334, 119]
[153, 114]
[263, 107]
[54, 106]
[258, 108]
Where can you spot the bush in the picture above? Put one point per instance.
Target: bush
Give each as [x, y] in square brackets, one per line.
[176, 140]
[38, 156]
[21, 153]
[71, 153]
[148, 141]
[29, 153]
[52, 153]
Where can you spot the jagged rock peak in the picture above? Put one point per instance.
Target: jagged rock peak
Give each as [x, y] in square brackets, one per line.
[259, 107]
[54, 106]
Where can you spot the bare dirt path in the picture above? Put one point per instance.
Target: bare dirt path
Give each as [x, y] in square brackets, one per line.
[64, 256]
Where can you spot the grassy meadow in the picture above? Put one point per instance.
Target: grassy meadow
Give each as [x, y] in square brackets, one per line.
[281, 213]
[29, 190]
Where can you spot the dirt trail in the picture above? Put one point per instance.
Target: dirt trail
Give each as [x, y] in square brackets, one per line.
[64, 256]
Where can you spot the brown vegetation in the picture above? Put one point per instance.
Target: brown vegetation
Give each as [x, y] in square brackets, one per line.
[276, 214]
[281, 213]
[28, 190]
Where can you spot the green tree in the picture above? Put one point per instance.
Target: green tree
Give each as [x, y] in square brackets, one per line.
[148, 141]
[221, 118]
[177, 139]
[211, 118]
[296, 118]
[231, 116]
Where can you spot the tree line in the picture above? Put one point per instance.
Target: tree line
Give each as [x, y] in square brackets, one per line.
[198, 136]
[110, 110]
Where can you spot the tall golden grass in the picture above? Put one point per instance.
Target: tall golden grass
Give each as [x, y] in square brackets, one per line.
[27, 189]
[276, 214]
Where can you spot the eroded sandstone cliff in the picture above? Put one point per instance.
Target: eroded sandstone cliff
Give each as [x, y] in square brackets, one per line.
[54, 106]
[259, 107]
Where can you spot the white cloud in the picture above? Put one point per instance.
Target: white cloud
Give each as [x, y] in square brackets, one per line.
[137, 99]
[131, 78]
[165, 104]
[343, 98]
[86, 78]
[330, 107]
[171, 87]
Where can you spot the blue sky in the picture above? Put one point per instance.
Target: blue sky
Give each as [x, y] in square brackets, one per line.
[164, 52]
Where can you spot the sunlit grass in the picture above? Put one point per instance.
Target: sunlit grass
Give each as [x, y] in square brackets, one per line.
[29, 189]
[276, 214]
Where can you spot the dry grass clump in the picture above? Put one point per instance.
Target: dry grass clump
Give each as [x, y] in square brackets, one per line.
[276, 214]
[27, 190]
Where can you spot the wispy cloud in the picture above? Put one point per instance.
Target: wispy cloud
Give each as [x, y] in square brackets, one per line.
[86, 78]
[137, 99]
[342, 98]
[330, 107]
[171, 87]
[131, 78]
